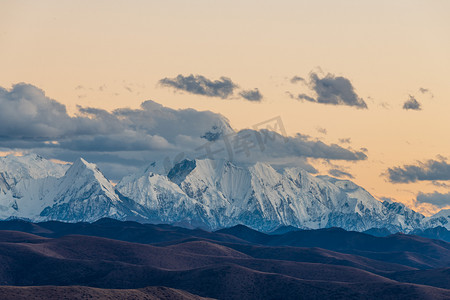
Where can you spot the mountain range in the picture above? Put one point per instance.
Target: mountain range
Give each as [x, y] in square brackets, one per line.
[209, 194]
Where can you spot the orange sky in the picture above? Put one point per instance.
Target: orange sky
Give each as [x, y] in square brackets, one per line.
[112, 54]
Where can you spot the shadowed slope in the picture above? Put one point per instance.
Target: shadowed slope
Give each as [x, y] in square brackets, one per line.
[82, 292]
[436, 277]
[238, 263]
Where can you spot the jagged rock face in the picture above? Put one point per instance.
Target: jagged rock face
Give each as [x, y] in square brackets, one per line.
[205, 193]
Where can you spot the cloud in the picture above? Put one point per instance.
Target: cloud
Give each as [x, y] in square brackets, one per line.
[426, 91]
[290, 94]
[251, 95]
[306, 97]
[440, 184]
[412, 104]
[26, 112]
[296, 79]
[430, 170]
[345, 141]
[300, 145]
[435, 198]
[322, 130]
[200, 85]
[32, 122]
[339, 173]
[334, 90]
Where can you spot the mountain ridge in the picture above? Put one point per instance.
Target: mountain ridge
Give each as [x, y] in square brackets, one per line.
[198, 193]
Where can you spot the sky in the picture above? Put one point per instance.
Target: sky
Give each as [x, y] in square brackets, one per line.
[361, 88]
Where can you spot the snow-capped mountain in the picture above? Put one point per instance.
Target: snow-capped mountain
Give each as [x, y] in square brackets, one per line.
[15, 168]
[258, 196]
[161, 200]
[207, 193]
[442, 218]
[81, 194]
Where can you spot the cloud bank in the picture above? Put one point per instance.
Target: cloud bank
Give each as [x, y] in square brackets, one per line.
[125, 139]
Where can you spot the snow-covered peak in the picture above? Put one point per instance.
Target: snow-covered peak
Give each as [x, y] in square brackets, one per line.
[83, 173]
[80, 165]
[265, 172]
[442, 218]
[14, 169]
[343, 184]
[30, 166]
[206, 170]
[82, 193]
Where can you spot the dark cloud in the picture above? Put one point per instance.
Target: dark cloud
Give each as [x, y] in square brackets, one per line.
[339, 173]
[412, 104]
[345, 141]
[251, 95]
[31, 122]
[296, 79]
[430, 170]
[435, 198]
[200, 85]
[26, 113]
[335, 90]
